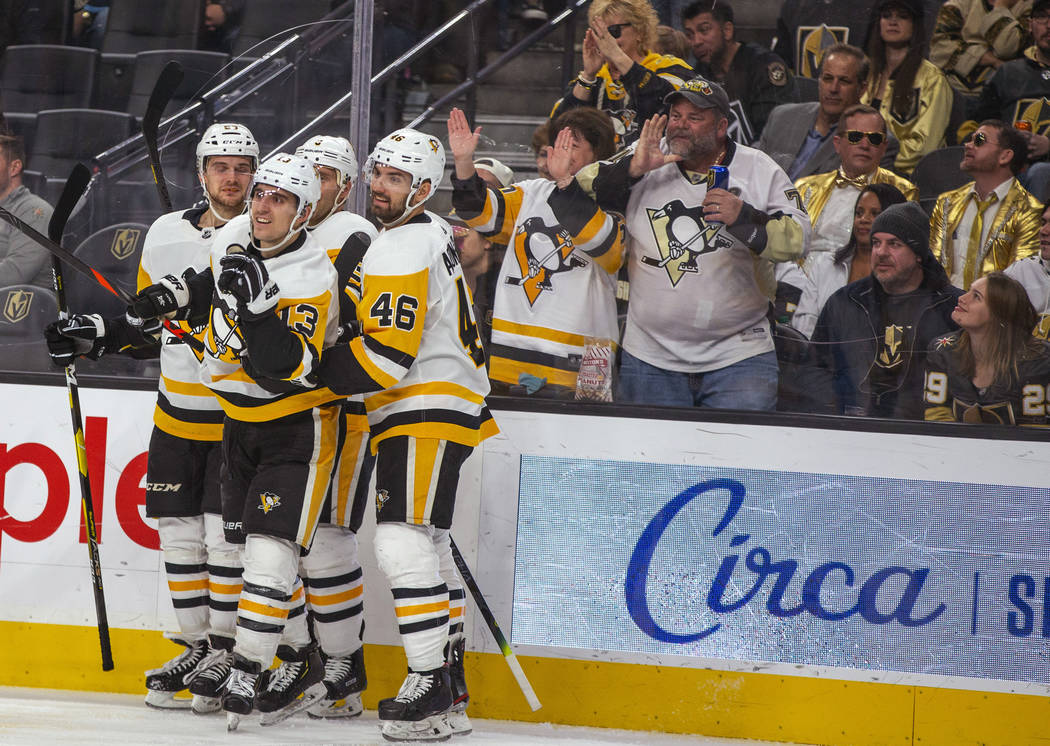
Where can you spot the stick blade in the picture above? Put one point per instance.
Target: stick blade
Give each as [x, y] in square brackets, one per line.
[168, 82]
[76, 185]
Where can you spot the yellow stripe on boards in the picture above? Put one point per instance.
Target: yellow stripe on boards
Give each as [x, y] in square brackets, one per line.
[614, 695]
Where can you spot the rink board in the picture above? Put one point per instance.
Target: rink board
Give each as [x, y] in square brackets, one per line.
[602, 543]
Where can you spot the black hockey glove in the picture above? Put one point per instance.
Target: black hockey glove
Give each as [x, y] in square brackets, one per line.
[162, 300]
[245, 278]
[348, 331]
[79, 335]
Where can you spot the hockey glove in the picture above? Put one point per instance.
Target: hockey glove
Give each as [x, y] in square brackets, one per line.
[79, 335]
[162, 300]
[245, 278]
[348, 331]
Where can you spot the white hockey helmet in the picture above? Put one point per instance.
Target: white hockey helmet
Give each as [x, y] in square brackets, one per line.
[417, 153]
[295, 175]
[331, 151]
[227, 138]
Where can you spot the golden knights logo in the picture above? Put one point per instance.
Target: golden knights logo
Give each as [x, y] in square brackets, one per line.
[1034, 111]
[124, 242]
[541, 252]
[810, 44]
[913, 109]
[892, 353]
[17, 305]
[682, 235]
[268, 501]
[1000, 413]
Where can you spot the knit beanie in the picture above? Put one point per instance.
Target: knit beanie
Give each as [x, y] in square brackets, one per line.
[908, 222]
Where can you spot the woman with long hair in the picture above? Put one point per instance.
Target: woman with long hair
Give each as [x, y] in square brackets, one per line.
[911, 92]
[992, 370]
[827, 271]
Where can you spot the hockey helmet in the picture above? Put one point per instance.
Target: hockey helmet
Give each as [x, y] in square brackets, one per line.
[334, 152]
[227, 138]
[417, 153]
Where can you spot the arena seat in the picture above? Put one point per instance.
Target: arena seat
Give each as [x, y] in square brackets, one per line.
[203, 71]
[65, 136]
[808, 88]
[114, 251]
[24, 312]
[47, 76]
[135, 26]
[265, 18]
[937, 172]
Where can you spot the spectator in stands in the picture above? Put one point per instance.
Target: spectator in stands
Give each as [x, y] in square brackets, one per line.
[670, 40]
[827, 271]
[538, 143]
[697, 331]
[22, 261]
[860, 141]
[621, 74]
[1034, 273]
[755, 79]
[799, 136]
[993, 370]
[557, 281]
[990, 222]
[973, 38]
[481, 263]
[871, 338]
[910, 91]
[89, 23]
[806, 29]
[221, 25]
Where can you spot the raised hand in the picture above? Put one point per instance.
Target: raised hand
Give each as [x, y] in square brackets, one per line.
[592, 57]
[245, 278]
[647, 154]
[559, 158]
[462, 142]
[619, 61]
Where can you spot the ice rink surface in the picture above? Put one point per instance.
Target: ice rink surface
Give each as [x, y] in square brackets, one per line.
[40, 717]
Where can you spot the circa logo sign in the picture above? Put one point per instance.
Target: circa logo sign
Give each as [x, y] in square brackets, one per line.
[876, 601]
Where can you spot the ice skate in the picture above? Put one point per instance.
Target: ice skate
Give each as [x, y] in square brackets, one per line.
[293, 687]
[174, 676]
[457, 716]
[344, 680]
[207, 683]
[238, 695]
[418, 712]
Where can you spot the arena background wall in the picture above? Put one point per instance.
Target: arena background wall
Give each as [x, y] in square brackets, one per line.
[634, 564]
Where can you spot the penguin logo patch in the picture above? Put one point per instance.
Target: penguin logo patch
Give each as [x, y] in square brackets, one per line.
[268, 501]
[682, 236]
[381, 499]
[541, 253]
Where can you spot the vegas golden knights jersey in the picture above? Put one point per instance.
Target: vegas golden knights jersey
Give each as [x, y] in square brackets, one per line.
[308, 306]
[557, 283]
[1034, 274]
[951, 396]
[419, 348]
[186, 408]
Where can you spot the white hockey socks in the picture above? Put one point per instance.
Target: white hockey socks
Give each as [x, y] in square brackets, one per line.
[457, 599]
[271, 571]
[182, 542]
[335, 590]
[225, 567]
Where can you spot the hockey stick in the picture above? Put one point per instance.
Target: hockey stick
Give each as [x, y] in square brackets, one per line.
[167, 83]
[75, 187]
[497, 633]
[60, 251]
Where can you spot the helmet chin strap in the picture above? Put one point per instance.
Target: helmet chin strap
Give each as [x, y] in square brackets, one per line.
[211, 206]
[409, 207]
[292, 231]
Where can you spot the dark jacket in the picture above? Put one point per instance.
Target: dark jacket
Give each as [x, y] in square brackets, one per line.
[847, 339]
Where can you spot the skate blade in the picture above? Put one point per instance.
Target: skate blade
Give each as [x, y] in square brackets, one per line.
[232, 721]
[311, 696]
[166, 701]
[434, 728]
[206, 705]
[350, 707]
[459, 723]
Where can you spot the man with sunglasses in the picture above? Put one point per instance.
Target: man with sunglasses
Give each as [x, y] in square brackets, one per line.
[860, 141]
[755, 79]
[992, 221]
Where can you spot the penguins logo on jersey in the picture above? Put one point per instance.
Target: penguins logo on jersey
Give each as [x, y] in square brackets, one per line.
[1000, 413]
[268, 501]
[17, 305]
[381, 498]
[810, 44]
[124, 242]
[224, 339]
[1034, 111]
[892, 353]
[682, 235]
[541, 253]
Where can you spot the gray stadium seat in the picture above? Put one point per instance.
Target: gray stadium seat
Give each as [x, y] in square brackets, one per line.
[24, 312]
[265, 18]
[114, 251]
[203, 71]
[65, 136]
[47, 76]
[938, 172]
[135, 26]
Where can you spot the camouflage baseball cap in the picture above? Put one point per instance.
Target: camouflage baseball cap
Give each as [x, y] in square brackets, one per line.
[703, 94]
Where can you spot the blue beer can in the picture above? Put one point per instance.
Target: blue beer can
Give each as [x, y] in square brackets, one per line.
[719, 177]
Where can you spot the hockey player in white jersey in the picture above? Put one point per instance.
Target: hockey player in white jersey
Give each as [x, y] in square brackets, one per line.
[203, 569]
[331, 572]
[419, 361]
[268, 307]
[1034, 273]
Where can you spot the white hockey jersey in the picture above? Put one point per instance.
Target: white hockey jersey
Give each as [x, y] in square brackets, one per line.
[1034, 273]
[308, 306]
[557, 283]
[696, 303]
[186, 408]
[419, 340]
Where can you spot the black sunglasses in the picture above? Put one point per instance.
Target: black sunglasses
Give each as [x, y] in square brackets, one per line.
[855, 136]
[616, 29]
[979, 139]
